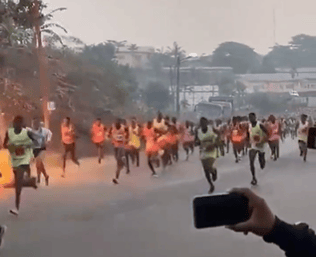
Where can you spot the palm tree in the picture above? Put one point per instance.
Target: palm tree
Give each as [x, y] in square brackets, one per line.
[175, 50]
[117, 44]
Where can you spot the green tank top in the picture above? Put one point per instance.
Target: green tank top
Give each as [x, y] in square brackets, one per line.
[20, 148]
[257, 137]
[207, 139]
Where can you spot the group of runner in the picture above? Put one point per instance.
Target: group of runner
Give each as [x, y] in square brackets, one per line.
[160, 138]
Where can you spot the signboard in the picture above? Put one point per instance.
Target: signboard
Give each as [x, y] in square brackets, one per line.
[51, 106]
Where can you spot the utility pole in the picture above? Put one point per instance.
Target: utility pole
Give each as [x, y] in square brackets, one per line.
[178, 86]
[43, 70]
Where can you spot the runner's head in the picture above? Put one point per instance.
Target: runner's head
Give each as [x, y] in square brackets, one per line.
[36, 123]
[187, 124]
[235, 120]
[67, 121]
[133, 122]
[203, 123]
[172, 130]
[159, 117]
[218, 122]
[252, 117]
[18, 122]
[272, 119]
[98, 121]
[303, 118]
[174, 120]
[149, 124]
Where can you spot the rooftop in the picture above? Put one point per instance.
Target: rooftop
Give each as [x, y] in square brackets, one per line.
[277, 77]
[140, 49]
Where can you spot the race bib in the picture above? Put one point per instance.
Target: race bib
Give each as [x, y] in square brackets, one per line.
[19, 151]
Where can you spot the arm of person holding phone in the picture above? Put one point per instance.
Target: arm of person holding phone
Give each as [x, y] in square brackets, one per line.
[295, 240]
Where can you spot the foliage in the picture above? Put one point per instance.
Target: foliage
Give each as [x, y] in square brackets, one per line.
[157, 95]
[267, 103]
[240, 57]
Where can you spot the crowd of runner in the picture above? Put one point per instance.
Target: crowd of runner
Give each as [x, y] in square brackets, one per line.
[160, 138]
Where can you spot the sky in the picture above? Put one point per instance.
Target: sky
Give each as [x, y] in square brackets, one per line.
[199, 26]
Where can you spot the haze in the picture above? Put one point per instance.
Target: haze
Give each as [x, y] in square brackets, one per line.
[199, 25]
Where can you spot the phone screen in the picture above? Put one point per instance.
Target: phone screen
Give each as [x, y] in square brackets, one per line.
[220, 210]
[311, 143]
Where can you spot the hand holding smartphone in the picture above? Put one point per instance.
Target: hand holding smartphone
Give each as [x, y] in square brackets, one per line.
[241, 210]
[220, 210]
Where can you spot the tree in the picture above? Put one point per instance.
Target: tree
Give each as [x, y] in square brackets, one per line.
[226, 83]
[157, 95]
[240, 57]
[99, 54]
[282, 56]
[117, 44]
[176, 50]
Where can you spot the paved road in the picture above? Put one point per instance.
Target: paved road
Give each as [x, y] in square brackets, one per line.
[85, 215]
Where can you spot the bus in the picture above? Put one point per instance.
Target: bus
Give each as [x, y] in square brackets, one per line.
[225, 99]
[213, 110]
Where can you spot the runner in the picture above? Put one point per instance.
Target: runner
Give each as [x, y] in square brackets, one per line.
[303, 136]
[98, 135]
[257, 135]
[134, 141]
[192, 131]
[175, 146]
[68, 136]
[187, 139]
[274, 137]
[244, 128]
[237, 139]
[206, 139]
[152, 148]
[220, 139]
[43, 137]
[119, 135]
[228, 135]
[172, 143]
[159, 124]
[19, 142]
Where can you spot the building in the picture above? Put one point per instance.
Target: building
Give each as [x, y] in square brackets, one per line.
[137, 58]
[194, 94]
[304, 83]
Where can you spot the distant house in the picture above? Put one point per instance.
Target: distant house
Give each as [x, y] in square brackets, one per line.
[304, 83]
[137, 58]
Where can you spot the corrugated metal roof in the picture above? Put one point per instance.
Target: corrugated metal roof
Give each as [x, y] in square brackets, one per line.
[277, 77]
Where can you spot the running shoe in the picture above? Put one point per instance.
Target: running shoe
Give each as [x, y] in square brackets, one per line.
[155, 175]
[115, 181]
[14, 212]
[254, 182]
[211, 189]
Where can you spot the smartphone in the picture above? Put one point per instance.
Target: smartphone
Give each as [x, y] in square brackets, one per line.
[311, 143]
[220, 210]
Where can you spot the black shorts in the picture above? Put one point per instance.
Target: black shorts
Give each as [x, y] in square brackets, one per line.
[37, 151]
[99, 145]
[69, 147]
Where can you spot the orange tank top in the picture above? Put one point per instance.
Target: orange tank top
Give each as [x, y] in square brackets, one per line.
[67, 134]
[98, 133]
